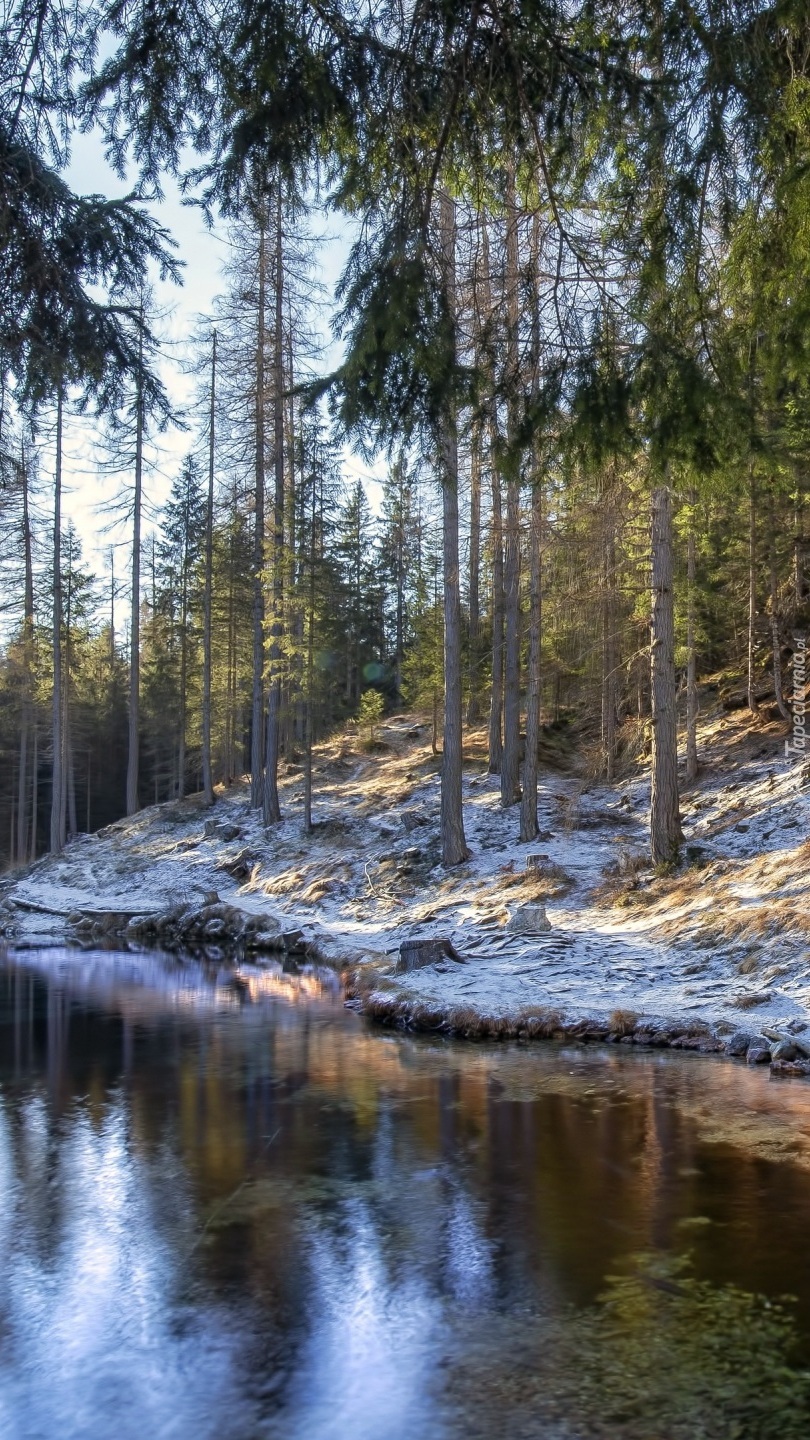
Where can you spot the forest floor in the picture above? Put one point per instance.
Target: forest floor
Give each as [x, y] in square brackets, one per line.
[719, 947]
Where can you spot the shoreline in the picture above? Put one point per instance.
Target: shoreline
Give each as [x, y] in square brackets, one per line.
[573, 936]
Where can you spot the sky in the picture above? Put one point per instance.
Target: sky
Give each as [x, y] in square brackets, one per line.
[87, 493]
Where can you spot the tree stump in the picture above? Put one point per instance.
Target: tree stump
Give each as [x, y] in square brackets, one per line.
[417, 954]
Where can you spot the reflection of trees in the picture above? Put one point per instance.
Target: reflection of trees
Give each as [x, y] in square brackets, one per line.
[274, 1138]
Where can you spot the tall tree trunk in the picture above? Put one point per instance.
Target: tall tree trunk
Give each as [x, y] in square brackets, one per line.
[309, 698]
[67, 737]
[272, 807]
[57, 786]
[132, 803]
[257, 709]
[776, 650]
[665, 821]
[208, 781]
[692, 707]
[510, 764]
[528, 799]
[26, 718]
[608, 643]
[752, 593]
[454, 845]
[32, 854]
[474, 627]
[495, 743]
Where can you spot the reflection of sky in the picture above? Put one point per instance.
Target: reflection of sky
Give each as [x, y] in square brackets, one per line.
[94, 1342]
[364, 1373]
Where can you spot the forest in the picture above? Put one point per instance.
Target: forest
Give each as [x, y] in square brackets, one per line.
[573, 321]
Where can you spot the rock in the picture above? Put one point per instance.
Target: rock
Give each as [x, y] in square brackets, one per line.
[416, 954]
[240, 866]
[529, 919]
[264, 940]
[785, 1050]
[759, 1051]
[790, 1067]
[738, 1043]
[214, 929]
[223, 830]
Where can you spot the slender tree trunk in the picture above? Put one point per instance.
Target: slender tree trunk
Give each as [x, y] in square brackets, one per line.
[528, 799]
[181, 724]
[776, 649]
[57, 786]
[132, 802]
[454, 845]
[272, 807]
[752, 593]
[309, 698]
[34, 797]
[257, 711]
[474, 631]
[496, 532]
[692, 706]
[608, 644]
[26, 719]
[665, 822]
[510, 764]
[208, 781]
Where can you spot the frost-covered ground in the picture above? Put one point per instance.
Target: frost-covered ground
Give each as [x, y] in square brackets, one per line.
[726, 941]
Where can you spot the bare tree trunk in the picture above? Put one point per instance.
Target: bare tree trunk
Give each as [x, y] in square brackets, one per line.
[528, 799]
[692, 707]
[608, 644]
[752, 592]
[208, 780]
[132, 802]
[496, 534]
[32, 855]
[665, 821]
[272, 808]
[775, 642]
[510, 764]
[454, 845]
[257, 711]
[26, 724]
[57, 788]
[474, 627]
[309, 698]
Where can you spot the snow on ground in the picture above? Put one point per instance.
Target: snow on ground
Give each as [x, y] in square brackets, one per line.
[726, 941]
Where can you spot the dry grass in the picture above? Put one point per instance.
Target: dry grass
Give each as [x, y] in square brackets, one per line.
[622, 1022]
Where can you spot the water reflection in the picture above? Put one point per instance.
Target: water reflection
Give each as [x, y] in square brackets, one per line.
[227, 1208]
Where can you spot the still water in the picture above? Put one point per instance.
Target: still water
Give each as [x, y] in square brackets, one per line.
[229, 1208]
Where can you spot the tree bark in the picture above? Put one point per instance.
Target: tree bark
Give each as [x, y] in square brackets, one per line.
[510, 764]
[752, 593]
[608, 652]
[257, 709]
[692, 707]
[272, 807]
[57, 787]
[775, 643]
[208, 781]
[27, 716]
[132, 803]
[474, 622]
[496, 532]
[665, 822]
[528, 799]
[454, 845]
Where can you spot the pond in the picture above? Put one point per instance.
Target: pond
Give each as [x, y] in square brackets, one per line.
[230, 1208]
